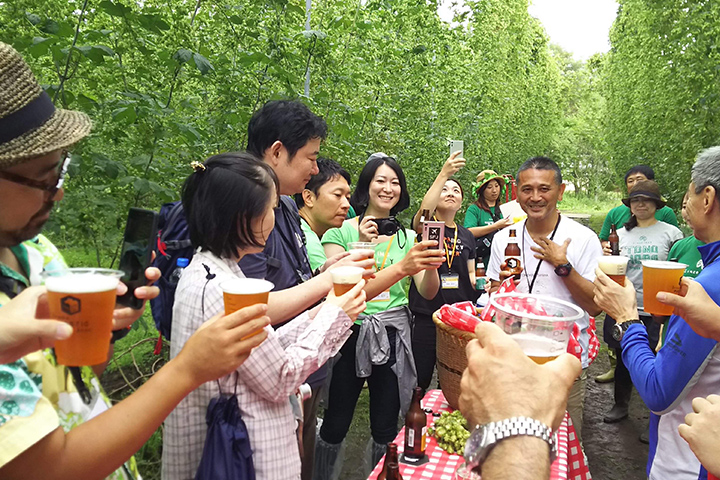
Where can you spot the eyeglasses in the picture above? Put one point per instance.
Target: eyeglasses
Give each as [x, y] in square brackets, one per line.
[51, 187]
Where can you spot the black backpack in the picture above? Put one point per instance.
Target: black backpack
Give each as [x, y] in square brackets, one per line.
[173, 243]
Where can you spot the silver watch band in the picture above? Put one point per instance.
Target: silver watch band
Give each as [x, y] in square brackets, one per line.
[523, 426]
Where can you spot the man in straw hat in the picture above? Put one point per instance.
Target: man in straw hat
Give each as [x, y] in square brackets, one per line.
[39, 400]
[688, 365]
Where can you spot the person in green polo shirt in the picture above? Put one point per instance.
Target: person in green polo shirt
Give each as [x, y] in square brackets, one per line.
[619, 215]
[323, 204]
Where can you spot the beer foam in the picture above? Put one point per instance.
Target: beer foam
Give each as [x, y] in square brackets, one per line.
[613, 265]
[81, 283]
[246, 286]
[537, 346]
[346, 275]
[664, 265]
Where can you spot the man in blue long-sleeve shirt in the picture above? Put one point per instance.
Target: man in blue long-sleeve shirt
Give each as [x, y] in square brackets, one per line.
[688, 365]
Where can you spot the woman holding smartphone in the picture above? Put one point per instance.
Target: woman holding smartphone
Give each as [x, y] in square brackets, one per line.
[229, 202]
[457, 273]
[379, 349]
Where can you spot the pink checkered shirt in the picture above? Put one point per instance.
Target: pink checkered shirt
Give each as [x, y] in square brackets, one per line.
[272, 373]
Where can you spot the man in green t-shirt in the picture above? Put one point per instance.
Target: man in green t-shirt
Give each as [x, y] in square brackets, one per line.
[323, 204]
[621, 214]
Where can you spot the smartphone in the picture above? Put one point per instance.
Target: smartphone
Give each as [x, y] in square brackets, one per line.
[434, 231]
[138, 242]
[456, 146]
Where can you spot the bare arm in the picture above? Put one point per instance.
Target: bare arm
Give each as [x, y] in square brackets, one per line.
[518, 457]
[471, 272]
[429, 202]
[100, 446]
[486, 229]
[428, 283]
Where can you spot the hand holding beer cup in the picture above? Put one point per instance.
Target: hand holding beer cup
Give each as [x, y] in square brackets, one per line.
[232, 338]
[352, 302]
[84, 298]
[620, 302]
[239, 293]
[344, 278]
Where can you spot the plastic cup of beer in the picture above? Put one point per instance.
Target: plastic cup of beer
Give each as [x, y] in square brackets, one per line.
[543, 334]
[615, 267]
[244, 292]
[84, 298]
[660, 276]
[345, 278]
[367, 247]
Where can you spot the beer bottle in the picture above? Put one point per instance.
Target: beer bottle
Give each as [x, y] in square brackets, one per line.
[512, 255]
[480, 275]
[393, 472]
[614, 240]
[391, 456]
[415, 427]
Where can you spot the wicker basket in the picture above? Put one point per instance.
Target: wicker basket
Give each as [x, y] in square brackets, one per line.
[451, 358]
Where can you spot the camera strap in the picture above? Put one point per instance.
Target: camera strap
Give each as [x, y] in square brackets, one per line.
[387, 251]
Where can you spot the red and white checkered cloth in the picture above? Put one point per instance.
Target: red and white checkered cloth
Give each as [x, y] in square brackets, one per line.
[570, 463]
[508, 286]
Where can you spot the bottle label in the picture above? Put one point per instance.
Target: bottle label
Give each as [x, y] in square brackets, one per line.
[410, 437]
[513, 263]
[424, 438]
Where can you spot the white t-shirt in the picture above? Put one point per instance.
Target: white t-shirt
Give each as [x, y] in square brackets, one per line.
[583, 253]
[646, 243]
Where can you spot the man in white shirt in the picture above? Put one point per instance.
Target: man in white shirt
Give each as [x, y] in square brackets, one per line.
[558, 256]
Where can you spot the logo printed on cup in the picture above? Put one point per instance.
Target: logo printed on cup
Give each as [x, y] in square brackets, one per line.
[70, 305]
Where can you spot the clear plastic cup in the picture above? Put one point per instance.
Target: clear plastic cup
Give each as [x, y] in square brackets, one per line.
[345, 278]
[84, 298]
[615, 267]
[660, 276]
[540, 324]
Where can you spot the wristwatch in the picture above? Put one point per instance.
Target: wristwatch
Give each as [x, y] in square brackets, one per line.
[563, 270]
[484, 437]
[619, 329]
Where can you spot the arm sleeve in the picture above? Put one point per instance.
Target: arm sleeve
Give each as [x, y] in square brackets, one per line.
[663, 381]
[586, 260]
[274, 373]
[668, 216]
[336, 236]
[605, 230]
[472, 217]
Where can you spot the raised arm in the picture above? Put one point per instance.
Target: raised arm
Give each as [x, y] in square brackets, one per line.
[451, 166]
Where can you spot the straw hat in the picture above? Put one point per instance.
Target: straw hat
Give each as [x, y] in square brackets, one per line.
[484, 177]
[30, 125]
[646, 189]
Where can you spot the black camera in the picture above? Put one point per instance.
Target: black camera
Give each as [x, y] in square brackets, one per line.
[387, 226]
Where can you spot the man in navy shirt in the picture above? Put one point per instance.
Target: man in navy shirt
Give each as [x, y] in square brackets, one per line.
[287, 135]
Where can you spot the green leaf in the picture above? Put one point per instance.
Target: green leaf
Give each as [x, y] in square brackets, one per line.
[114, 9]
[202, 63]
[141, 185]
[50, 26]
[32, 18]
[124, 115]
[104, 50]
[235, 19]
[183, 55]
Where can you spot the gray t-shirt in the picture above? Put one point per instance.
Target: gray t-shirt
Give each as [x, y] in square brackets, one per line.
[646, 243]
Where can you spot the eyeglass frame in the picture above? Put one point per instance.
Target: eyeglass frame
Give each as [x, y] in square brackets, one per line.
[29, 182]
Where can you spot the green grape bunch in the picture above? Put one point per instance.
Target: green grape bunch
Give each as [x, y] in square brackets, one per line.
[451, 432]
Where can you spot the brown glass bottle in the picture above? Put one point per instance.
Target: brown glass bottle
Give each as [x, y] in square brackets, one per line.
[512, 255]
[393, 472]
[415, 427]
[614, 240]
[391, 456]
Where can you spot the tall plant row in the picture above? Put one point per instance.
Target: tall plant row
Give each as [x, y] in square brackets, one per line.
[661, 81]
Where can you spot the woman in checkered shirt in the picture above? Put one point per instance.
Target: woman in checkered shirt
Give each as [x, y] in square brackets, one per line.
[229, 204]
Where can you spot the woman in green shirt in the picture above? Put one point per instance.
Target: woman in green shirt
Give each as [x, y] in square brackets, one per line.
[483, 217]
[379, 350]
